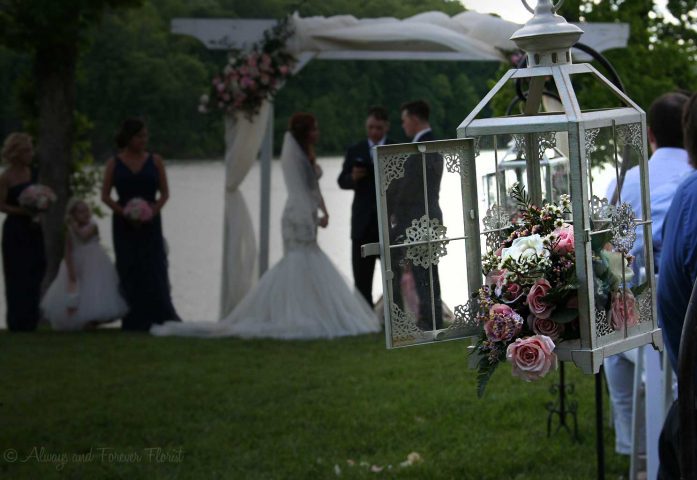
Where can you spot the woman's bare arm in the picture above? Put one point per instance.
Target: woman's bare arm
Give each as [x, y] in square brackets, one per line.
[164, 185]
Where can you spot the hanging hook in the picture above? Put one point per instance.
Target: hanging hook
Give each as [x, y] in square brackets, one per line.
[555, 9]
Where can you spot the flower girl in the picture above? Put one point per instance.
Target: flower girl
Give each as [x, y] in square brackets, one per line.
[86, 289]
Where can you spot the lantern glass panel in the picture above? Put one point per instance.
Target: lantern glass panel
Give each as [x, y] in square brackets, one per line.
[621, 292]
[587, 82]
[427, 299]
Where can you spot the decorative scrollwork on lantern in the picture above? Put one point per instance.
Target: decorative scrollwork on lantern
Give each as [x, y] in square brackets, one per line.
[645, 307]
[426, 230]
[545, 141]
[601, 209]
[403, 326]
[630, 134]
[591, 136]
[602, 323]
[393, 168]
[455, 161]
[495, 221]
[623, 228]
[465, 319]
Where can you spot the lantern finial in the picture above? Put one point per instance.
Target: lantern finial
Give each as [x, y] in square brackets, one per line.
[547, 37]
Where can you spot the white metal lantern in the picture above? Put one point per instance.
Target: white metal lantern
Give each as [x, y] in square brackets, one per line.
[552, 154]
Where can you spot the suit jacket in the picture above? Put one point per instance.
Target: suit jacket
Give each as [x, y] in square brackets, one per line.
[364, 210]
[407, 199]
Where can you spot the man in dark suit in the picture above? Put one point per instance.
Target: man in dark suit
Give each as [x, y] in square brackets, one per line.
[408, 203]
[357, 175]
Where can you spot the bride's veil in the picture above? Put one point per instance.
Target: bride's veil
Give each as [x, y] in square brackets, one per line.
[301, 181]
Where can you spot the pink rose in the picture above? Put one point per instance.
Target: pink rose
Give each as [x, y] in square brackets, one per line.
[624, 316]
[532, 357]
[564, 239]
[539, 307]
[546, 326]
[252, 60]
[283, 69]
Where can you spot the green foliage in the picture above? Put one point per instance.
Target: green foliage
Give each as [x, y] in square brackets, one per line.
[133, 65]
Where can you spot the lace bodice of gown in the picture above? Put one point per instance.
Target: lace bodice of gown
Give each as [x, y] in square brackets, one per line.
[299, 221]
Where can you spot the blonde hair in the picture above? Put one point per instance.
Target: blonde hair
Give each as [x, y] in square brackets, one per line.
[12, 145]
[70, 207]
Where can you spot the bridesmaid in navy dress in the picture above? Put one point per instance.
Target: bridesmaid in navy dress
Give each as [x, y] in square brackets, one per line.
[24, 261]
[141, 258]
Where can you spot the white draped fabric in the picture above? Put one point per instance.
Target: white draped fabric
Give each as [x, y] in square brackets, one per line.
[469, 35]
[243, 139]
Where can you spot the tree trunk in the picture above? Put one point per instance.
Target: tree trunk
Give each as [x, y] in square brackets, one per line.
[55, 82]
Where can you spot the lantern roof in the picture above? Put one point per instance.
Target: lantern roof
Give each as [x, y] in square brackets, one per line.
[546, 32]
[546, 39]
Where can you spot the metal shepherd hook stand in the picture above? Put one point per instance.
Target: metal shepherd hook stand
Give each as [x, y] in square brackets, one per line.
[561, 406]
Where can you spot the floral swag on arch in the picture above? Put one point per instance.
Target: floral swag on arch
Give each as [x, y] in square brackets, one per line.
[243, 90]
[252, 77]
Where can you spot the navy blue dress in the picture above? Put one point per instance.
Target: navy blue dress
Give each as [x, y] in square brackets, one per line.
[24, 265]
[141, 259]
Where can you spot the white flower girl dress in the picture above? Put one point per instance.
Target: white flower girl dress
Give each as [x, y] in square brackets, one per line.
[97, 299]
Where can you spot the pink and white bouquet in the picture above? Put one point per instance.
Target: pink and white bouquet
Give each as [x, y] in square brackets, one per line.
[528, 303]
[37, 198]
[251, 77]
[138, 210]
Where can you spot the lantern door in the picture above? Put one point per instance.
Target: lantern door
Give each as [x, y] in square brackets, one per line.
[429, 240]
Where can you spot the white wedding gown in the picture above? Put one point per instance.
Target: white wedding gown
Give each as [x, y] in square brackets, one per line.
[303, 296]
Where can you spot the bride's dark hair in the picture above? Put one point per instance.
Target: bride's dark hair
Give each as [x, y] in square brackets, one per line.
[300, 125]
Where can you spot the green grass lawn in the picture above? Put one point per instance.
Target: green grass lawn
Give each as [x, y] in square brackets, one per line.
[97, 402]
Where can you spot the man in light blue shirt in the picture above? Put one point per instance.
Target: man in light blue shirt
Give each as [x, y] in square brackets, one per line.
[678, 275]
[668, 167]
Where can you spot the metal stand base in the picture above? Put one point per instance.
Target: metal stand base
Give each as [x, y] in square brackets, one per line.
[562, 407]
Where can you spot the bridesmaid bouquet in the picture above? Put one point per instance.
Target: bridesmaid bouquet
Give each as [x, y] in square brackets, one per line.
[36, 198]
[138, 210]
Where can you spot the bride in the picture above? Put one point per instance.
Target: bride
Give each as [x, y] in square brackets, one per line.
[303, 296]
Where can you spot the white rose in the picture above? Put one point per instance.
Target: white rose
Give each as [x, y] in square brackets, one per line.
[525, 247]
[204, 98]
[616, 263]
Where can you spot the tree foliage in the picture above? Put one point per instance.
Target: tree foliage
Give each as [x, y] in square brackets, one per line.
[133, 65]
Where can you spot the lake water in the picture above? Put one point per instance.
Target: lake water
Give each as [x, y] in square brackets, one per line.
[193, 229]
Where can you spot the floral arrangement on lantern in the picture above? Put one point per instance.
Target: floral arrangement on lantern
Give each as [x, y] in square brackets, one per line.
[528, 303]
[250, 77]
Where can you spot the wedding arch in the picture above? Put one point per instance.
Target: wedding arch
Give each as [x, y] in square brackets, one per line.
[468, 36]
